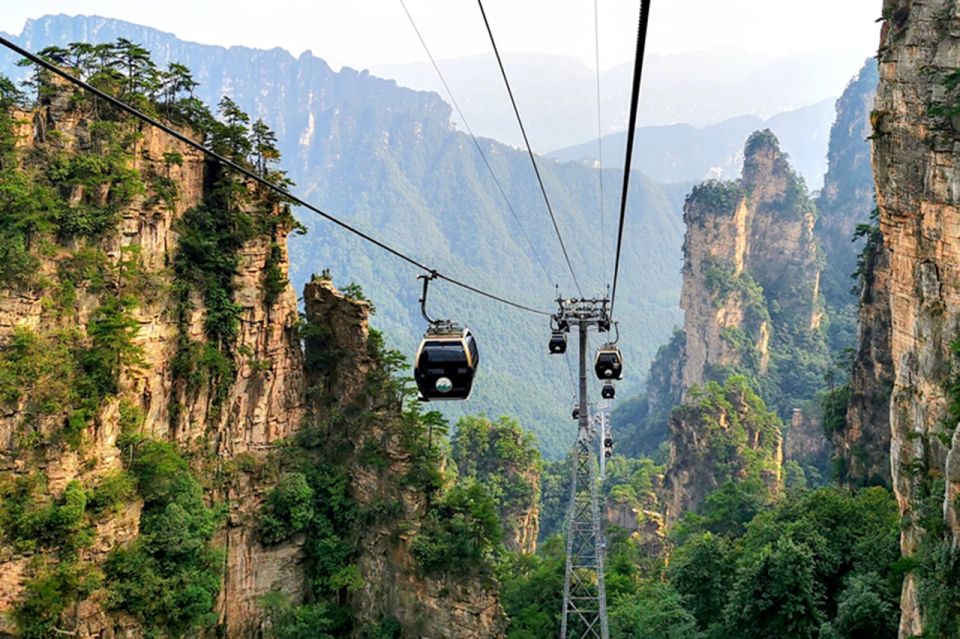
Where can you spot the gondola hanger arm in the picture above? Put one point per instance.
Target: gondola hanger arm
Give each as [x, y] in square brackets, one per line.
[427, 278]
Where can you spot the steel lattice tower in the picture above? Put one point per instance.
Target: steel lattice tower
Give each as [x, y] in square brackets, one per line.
[584, 592]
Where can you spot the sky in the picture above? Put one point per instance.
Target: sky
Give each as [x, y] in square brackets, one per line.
[365, 33]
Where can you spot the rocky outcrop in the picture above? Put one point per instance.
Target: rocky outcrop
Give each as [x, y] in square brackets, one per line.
[644, 420]
[231, 419]
[804, 441]
[394, 587]
[521, 521]
[264, 401]
[720, 434]
[750, 265]
[847, 197]
[917, 171]
[640, 515]
[864, 443]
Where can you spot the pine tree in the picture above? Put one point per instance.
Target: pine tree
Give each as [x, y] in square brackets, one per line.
[265, 150]
[232, 136]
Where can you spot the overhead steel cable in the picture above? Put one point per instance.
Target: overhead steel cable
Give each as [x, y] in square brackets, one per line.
[123, 106]
[596, 40]
[476, 143]
[526, 141]
[632, 129]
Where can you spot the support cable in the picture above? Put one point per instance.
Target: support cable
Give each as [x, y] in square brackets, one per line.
[476, 143]
[526, 141]
[632, 129]
[123, 106]
[596, 39]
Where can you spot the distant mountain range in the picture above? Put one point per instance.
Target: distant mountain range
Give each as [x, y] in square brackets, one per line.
[387, 159]
[681, 152]
[557, 95]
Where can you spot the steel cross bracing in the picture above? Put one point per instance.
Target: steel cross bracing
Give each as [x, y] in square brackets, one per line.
[584, 591]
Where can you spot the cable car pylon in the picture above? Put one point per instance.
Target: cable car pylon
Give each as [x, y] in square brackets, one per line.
[584, 590]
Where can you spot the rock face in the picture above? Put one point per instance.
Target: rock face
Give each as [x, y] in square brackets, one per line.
[847, 197]
[917, 169]
[804, 440]
[750, 265]
[261, 405]
[752, 311]
[864, 443]
[521, 521]
[721, 433]
[393, 586]
[261, 400]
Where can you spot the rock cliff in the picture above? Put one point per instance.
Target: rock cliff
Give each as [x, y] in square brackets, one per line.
[844, 229]
[720, 434]
[380, 461]
[750, 267]
[917, 171]
[148, 336]
[752, 309]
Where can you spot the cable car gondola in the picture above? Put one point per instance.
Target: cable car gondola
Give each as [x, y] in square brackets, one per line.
[609, 362]
[575, 412]
[608, 391]
[447, 359]
[558, 343]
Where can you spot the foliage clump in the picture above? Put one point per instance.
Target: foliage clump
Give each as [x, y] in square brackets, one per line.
[168, 577]
[715, 197]
[741, 435]
[503, 458]
[460, 533]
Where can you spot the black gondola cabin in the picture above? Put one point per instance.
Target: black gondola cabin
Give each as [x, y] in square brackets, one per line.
[609, 362]
[608, 391]
[558, 343]
[446, 364]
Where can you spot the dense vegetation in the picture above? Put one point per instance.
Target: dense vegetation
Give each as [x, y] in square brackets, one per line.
[818, 563]
[503, 458]
[168, 577]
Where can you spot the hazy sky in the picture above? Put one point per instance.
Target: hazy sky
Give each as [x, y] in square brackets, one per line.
[363, 33]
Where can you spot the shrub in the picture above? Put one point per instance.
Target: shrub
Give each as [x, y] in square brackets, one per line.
[459, 533]
[288, 509]
[169, 576]
[112, 493]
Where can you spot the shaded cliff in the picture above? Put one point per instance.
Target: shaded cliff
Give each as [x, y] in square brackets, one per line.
[857, 411]
[863, 439]
[917, 172]
[845, 202]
